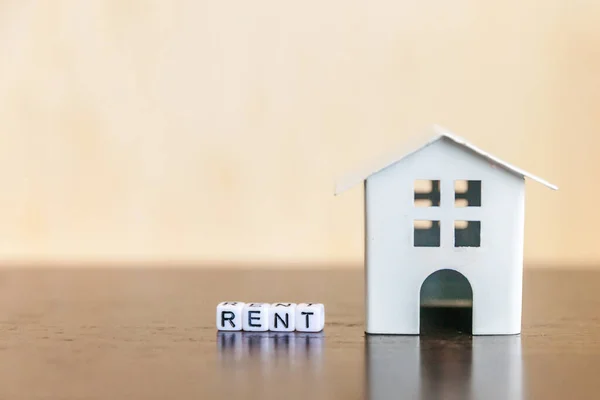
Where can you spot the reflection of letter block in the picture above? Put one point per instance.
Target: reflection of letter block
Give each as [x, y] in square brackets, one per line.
[282, 317]
[310, 317]
[229, 316]
[255, 317]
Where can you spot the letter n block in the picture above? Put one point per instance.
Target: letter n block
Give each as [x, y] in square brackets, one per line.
[282, 317]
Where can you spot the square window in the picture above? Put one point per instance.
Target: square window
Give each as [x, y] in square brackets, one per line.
[467, 193]
[426, 233]
[427, 193]
[467, 233]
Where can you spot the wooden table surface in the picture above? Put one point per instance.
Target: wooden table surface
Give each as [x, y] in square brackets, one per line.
[150, 334]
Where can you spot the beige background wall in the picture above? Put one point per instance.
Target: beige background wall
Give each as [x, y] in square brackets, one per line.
[199, 131]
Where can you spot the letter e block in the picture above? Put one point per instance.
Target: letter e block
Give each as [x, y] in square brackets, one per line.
[255, 317]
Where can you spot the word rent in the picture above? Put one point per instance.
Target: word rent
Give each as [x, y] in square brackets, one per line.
[276, 317]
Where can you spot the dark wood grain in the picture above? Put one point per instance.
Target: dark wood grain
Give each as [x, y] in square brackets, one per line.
[150, 334]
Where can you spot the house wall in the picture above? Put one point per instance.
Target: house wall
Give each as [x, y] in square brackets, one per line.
[395, 269]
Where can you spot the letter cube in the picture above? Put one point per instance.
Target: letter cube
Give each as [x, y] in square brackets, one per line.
[229, 315]
[255, 317]
[282, 317]
[310, 317]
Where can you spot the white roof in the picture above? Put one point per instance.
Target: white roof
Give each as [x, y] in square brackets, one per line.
[441, 133]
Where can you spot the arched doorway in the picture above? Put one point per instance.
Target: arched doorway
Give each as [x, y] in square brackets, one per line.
[446, 301]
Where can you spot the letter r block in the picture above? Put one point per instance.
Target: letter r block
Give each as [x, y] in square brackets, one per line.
[310, 317]
[229, 316]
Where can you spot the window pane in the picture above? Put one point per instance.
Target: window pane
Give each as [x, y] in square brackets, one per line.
[467, 193]
[467, 233]
[427, 193]
[426, 233]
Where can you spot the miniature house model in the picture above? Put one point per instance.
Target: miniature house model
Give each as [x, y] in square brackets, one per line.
[444, 227]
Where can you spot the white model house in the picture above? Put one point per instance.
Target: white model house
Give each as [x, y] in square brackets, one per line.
[444, 227]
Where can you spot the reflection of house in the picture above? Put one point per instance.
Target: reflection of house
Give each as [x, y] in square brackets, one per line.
[412, 368]
[446, 206]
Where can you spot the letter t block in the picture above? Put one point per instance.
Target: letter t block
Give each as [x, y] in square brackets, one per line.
[310, 317]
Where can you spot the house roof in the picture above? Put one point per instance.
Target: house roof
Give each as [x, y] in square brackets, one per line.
[440, 134]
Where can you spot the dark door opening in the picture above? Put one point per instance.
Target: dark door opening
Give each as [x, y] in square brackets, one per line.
[446, 301]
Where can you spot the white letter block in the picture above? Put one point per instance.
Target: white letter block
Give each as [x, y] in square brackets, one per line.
[282, 317]
[310, 317]
[229, 315]
[255, 317]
